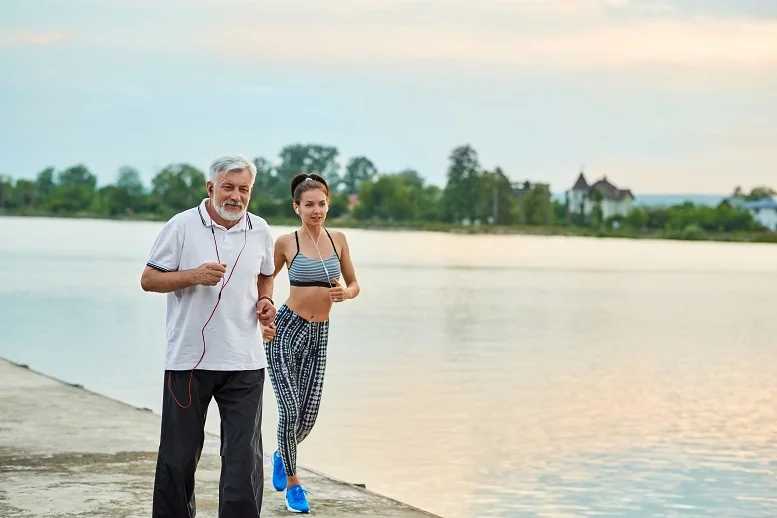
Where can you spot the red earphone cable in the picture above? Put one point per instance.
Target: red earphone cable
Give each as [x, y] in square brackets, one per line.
[218, 301]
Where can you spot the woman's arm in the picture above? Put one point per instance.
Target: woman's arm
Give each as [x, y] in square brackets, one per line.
[346, 267]
[266, 284]
[280, 253]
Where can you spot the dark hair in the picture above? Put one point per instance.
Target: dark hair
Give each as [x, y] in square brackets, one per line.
[306, 182]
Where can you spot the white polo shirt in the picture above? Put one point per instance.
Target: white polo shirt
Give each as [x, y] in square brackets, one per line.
[232, 337]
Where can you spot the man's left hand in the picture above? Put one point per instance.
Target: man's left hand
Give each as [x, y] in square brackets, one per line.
[265, 312]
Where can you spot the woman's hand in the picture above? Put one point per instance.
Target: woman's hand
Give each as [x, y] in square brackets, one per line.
[337, 293]
[268, 332]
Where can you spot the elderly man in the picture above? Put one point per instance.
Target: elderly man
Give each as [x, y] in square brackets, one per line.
[215, 263]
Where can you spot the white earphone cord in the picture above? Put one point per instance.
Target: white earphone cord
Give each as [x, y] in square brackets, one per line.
[321, 257]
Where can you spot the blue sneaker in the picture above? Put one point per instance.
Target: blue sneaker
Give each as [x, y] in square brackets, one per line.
[278, 472]
[296, 501]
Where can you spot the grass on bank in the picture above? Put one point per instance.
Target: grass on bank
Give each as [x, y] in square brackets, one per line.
[689, 233]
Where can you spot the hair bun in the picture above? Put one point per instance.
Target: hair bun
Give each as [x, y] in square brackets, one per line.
[307, 178]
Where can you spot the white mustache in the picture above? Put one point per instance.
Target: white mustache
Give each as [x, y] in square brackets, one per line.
[229, 215]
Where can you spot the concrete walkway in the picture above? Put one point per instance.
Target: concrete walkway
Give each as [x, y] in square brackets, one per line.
[65, 451]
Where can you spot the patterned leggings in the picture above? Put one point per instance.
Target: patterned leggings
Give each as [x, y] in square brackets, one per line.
[296, 359]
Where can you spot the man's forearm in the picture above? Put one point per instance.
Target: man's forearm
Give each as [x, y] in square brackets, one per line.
[164, 282]
[265, 286]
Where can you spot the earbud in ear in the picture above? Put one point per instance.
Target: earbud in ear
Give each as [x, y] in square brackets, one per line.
[297, 211]
[210, 191]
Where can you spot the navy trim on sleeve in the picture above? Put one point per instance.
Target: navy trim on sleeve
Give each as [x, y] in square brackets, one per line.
[157, 267]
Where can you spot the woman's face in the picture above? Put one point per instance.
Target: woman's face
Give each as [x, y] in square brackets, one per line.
[313, 206]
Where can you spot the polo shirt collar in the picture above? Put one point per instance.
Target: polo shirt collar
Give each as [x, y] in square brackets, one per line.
[206, 219]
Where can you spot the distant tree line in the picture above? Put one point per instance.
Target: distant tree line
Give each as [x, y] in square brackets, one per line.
[471, 195]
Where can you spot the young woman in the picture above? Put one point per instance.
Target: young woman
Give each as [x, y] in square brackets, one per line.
[296, 352]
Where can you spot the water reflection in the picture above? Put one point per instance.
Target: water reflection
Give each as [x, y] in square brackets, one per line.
[475, 375]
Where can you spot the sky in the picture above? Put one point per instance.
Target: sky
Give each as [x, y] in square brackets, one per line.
[659, 96]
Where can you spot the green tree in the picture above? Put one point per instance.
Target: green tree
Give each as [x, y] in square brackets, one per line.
[77, 176]
[131, 193]
[110, 201]
[657, 218]
[129, 181]
[74, 192]
[358, 170]
[45, 185]
[25, 194]
[324, 162]
[559, 211]
[459, 195]
[759, 193]
[430, 205]
[268, 207]
[412, 177]
[391, 197]
[308, 158]
[496, 199]
[294, 160]
[266, 179]
[538, 208]
[178, 187]
[7, 192]
[637, 219]
[338, 205]
[269, 197]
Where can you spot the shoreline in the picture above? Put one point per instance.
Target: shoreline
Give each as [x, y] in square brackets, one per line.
[689, 234]
[67, 450]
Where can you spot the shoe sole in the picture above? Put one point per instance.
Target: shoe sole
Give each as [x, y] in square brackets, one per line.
[294, 510]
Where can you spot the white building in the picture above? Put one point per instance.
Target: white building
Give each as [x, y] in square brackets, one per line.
[764, 212]
[614, 202]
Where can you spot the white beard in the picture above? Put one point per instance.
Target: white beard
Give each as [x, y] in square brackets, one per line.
[229, 216]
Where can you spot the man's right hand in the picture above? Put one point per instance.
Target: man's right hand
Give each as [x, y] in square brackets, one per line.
[209, 274]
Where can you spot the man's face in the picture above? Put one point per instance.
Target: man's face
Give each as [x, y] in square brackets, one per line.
[231, 193]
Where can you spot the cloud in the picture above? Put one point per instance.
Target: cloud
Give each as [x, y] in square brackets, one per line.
[538, 35]
[717, 8]
[38, 38]
[676, 36]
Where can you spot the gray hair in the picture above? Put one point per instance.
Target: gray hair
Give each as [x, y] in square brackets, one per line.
[228, 163]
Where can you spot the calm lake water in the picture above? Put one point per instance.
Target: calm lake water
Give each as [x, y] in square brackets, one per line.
[475, 375]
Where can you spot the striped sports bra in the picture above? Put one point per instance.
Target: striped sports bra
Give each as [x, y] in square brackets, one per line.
[305, 271]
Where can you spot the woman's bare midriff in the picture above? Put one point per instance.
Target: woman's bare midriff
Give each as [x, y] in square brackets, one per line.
[310, 302]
